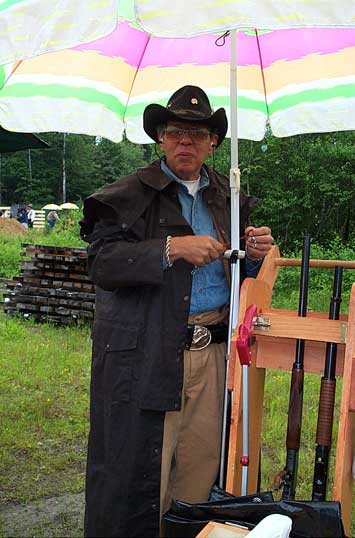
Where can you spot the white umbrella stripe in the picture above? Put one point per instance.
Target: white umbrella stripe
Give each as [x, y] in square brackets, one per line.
[90, 119]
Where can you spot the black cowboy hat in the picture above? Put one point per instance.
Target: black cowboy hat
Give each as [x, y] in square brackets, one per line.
[189, 103]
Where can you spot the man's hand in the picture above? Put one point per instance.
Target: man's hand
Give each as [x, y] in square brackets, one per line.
[258, 242]
[196, 249]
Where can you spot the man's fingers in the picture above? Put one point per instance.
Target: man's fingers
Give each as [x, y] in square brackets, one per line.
[196, 249]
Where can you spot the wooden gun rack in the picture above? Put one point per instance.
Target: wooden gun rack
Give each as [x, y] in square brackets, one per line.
[275, 348]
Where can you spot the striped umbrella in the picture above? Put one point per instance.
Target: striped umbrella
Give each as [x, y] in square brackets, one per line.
[295, 80]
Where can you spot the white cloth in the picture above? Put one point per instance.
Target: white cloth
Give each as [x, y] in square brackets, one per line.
[192, 185]
[31, 215]
[274, 526]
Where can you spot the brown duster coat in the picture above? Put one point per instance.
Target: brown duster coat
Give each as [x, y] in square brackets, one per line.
[138, 341]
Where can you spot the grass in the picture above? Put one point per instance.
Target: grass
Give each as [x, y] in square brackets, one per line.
[44, 382]
[44, 386]
[276, 397]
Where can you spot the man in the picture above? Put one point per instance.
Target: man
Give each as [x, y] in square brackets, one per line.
[22, 216]
[157, 238]
[30, 215]
[52, 218]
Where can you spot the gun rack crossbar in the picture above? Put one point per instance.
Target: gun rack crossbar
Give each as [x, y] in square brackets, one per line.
[275, 348]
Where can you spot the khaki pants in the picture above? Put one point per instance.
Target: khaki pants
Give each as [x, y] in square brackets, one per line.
[192, 436]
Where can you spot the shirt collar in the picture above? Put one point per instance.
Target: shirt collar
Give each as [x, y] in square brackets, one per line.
[204, 179]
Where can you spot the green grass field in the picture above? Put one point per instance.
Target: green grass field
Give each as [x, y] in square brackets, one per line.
[44, 387]
[44, 384]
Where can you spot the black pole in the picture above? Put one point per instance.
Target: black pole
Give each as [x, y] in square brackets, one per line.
[326, 401]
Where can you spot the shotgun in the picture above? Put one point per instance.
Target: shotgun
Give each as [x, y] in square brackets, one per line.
[288, 477]
[326, 401]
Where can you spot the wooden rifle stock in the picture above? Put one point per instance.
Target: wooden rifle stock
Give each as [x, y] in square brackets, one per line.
[288, 477]
[326, 401]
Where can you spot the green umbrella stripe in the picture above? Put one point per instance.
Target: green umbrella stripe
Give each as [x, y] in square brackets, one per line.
[113, 103]
[10, 3]
[58, 91]
[343, 91]
[2, 76]
[243, 102]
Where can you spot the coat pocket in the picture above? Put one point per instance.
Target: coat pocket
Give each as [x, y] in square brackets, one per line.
[120, 356]
[122, 339]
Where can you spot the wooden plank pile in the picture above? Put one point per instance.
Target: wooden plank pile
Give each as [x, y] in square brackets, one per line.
[53, 286]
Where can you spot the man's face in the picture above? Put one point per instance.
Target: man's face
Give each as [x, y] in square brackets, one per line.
[185, 152]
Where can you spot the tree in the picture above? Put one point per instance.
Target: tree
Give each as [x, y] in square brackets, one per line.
[304, 183]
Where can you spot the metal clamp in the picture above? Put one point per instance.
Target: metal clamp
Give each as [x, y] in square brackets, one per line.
[234, 255]
[245, 338]
[261, 322]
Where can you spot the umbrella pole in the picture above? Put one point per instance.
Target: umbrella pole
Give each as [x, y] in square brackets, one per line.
[235, 272]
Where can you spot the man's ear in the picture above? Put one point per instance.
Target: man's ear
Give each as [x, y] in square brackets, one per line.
[214, 140]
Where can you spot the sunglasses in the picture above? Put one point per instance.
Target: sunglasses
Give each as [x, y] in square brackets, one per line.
[196, 134]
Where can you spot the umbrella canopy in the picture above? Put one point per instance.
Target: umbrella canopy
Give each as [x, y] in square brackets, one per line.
[31, 27]
[163, 17]
[68, 205]
[297, 80]
[51, 207]
[11, 141]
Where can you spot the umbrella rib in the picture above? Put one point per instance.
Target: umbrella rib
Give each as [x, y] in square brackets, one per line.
[262, 72]
[137, 70]
[13, 70]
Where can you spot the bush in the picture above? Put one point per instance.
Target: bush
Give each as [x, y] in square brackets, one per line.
[66, 232]
[10, 255]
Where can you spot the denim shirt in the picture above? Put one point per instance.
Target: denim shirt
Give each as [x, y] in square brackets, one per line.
[210, 289]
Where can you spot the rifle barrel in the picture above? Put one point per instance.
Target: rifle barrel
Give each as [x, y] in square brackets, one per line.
[294, 423]
[326, 401]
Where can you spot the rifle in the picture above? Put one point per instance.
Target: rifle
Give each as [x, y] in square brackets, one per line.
[326, 401]
[288, 477]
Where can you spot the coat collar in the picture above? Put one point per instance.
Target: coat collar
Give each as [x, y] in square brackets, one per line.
[115, 201]
[154, 177]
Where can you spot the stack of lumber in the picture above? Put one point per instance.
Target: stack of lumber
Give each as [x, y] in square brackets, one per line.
[53, 286]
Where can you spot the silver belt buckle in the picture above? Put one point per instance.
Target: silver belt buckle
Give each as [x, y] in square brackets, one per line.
[201, 338]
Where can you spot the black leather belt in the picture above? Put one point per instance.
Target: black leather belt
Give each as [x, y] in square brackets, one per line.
[200, 336]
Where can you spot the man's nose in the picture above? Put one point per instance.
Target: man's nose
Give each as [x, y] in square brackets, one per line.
[186, 138]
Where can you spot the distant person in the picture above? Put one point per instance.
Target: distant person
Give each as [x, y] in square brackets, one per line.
[22, 217]
[30, 215]
[52, 218]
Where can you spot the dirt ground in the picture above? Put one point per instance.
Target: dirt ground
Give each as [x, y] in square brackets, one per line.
[48, 518]
[11, 227]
